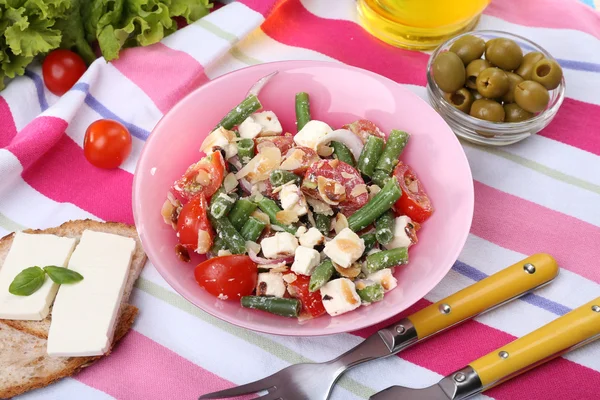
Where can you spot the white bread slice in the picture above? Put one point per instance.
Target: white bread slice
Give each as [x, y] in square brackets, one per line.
[74, 229]
[26, 366]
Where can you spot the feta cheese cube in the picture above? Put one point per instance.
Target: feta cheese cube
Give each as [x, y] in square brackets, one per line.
[293, 200]
[313, 237]
[301, 231]
[270, 284]
[401, 239]
[220, 138]
[385, 278]
[339, 296]
[310, 134]
[283, 244]
[305, 260]
[345, 248]
[249, 129]
[269, 123]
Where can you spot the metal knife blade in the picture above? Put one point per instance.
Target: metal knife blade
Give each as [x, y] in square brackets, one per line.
[434, 392]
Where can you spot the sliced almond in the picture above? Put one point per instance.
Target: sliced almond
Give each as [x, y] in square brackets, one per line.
[293, 160]
[167, 211]
[351, 272]
[289, 278]
[230, 182]
[286, 217]
[261, 216]
[324, 151]
[255, 247]
[373, 190]
[204, 242]
[340, 223]
[281, 269]
[358, 190]
[347, 175]
[319, 206]
[330, 191]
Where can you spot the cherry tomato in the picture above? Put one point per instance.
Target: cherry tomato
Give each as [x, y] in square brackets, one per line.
[107, 143]
[363, 128]
[204, 177]
[342, 173]
[193, 224]
[414, 202]
[227, 277]
[311, 301]
[283, 143]
[61, 70]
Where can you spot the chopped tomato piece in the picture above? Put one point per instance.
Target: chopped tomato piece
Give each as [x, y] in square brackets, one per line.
[283, 143]
[414, 202]
[311, 301]
[227, 277]
[193, 227]
[203, 177]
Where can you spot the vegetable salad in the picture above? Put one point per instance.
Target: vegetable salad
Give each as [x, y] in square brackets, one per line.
[297, 225]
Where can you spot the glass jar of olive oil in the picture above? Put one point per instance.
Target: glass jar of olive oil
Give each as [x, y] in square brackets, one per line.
[419, 24]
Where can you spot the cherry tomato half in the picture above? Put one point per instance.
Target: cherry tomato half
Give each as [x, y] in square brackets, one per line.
[204, 177]
[311, 301]
[61, 69]
[107, 143]
[414, 202]
[193, 224]
[227, 277]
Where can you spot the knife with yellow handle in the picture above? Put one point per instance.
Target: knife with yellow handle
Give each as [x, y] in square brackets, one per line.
[317, 380]
[573, 330]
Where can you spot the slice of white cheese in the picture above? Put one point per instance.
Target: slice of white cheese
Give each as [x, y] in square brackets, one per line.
[29, 250]
[84, 313]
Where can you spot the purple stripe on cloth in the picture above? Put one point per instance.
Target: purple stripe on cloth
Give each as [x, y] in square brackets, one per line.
[39, 87]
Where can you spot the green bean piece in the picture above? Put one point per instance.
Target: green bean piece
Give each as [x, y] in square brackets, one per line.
[342, 153]
[369, 156]
[386, 259]
[370, 241]
[280, 177]
[240, 112]
[384, 227]
[221, 203]
[371, 293]
[252, 229]
[321, 275]
[380, 178]
[274, 305]
[322, 223]
[245, 150]
[394, 146]
[302, 110]
[226, 231]
[271, 208]
[240, 212]
[383, 201]
[218, 244]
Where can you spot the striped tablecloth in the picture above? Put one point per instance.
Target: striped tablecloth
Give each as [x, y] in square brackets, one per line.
[539, 195]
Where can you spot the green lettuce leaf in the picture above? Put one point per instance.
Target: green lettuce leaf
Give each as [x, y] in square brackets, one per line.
[73, 33]
[191, 10]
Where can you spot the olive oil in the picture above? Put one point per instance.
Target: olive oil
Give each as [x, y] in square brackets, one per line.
[419, 24]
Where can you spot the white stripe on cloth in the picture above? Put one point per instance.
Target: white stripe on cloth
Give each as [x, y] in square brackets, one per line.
[10, 172]
[18, 96]
[58, 389]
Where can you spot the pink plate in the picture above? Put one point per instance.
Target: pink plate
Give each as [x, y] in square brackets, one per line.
[339, 94]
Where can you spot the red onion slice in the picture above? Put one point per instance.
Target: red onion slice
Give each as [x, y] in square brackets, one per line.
[260, 260]
[257, 87]
[346, 137]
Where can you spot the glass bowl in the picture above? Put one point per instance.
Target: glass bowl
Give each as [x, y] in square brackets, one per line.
[486, 132]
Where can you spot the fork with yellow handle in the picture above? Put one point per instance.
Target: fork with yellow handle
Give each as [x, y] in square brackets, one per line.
[573, 330]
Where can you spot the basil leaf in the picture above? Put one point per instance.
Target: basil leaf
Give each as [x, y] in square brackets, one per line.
[27, 281]
[62, 275]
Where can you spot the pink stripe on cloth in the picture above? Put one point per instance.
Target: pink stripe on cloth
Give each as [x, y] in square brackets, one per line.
[576, 124]
[529, 228]
[139, 368]
[562, 14]
[164, 74]
[36, 139]
[64, 175]
[450, 351]
[263, 7]
[346, 41]
[8, 130]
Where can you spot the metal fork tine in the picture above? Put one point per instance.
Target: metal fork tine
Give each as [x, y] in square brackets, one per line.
[270, 396]
[252, 387]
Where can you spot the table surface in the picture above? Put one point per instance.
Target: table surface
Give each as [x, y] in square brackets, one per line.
[540, 195]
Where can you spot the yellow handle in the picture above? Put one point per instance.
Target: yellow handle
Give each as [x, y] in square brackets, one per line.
[494, 290]
[578, 327]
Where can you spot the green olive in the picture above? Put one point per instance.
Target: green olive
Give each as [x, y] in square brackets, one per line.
[548, 73]
[531, 96]
[461, 99]
[513, 81]
[473, 70]
[492, 83]
[468, 48]
[529, 61]
[504, 53]
[488, 110]
[514, 113]
[448, 72]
